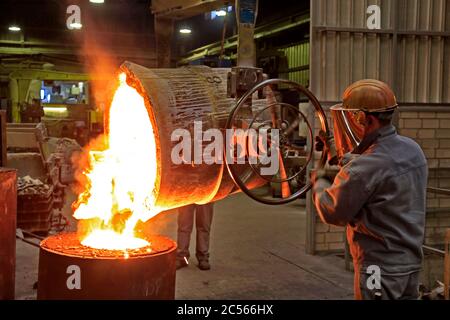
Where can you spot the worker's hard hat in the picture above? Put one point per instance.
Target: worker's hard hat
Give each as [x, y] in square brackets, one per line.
[369, 96]
[364, 96]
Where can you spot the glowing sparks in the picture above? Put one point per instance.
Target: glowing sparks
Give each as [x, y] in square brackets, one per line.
[121, 179]
[185, 259]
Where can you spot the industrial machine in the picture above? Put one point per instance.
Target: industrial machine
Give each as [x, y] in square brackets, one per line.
[192, 100]
[176, 102]
[59, 99]
[243, 82]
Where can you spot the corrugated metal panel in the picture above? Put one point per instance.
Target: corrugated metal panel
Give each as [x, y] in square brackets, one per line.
[297, 55]
[298, 58]
[301, 77]
[422, 61]
[348, 13]
[425, 15]
[410, 52]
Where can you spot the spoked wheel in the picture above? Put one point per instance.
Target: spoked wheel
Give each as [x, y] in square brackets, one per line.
[273, 152]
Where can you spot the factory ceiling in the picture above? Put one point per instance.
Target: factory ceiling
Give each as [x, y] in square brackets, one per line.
[123, 29]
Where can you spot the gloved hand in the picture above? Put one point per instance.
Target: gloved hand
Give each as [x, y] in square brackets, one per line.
[321, 141]
[326, 144]
[317, 174]
[346, 158]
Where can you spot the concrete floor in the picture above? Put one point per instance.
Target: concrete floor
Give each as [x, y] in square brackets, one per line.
[257, 252]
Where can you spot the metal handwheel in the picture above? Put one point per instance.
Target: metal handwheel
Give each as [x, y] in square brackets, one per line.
[275, 119]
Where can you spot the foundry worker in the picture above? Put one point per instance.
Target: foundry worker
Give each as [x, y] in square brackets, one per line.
[203, 215]
[379, 194]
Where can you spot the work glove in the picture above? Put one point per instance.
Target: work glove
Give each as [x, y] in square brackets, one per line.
[325, 143]
[317, 174]
[346, 158]
[321, 141]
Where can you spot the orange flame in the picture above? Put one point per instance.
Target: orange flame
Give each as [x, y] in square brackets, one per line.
[121, 179]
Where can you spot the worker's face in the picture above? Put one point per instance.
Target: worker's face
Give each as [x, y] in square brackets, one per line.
[371, 123]
[360, 118]
[366, 121]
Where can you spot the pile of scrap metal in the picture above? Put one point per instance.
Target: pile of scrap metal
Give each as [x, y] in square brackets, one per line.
[42, 176]
[57, 154]
[34, 204]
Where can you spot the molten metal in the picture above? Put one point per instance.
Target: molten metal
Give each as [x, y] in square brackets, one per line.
[116, 241]
[134, 177]
[70, 270]
[122, 177]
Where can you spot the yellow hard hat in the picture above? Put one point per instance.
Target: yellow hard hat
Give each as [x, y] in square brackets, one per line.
[369, 95]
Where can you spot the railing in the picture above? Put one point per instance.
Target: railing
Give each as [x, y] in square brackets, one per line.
[447, 266]
[439, 191]
[442, 253]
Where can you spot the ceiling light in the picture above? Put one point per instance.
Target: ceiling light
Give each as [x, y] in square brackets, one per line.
[185, 30]
[97, 1]
[76, 25]
[14, 28]
[221, 13]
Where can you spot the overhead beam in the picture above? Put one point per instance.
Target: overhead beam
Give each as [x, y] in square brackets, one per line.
[260, 32]
[75, 51]
[182, 9]
[166, 12]
[47, 74]
[39, 74]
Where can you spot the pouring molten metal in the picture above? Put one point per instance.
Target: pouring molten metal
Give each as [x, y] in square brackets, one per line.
[134, 177]
[121, 178]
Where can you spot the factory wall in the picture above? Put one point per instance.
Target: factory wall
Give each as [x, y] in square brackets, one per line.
[411, 52]
[298, 63]
[432, 131]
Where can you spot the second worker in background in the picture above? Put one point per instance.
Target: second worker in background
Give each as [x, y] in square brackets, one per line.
[203, 219]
